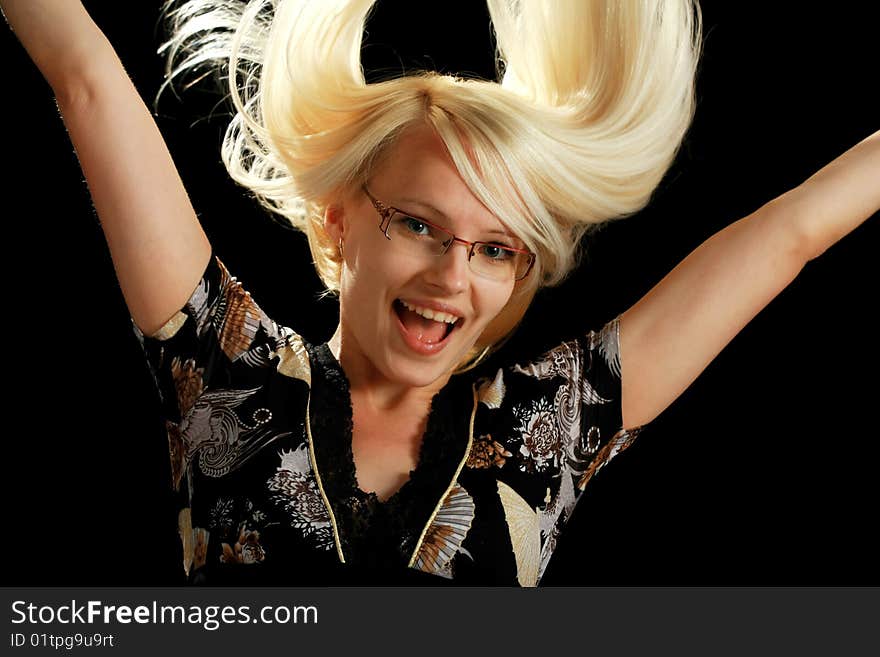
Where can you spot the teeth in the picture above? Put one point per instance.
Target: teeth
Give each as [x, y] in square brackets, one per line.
[436, 315]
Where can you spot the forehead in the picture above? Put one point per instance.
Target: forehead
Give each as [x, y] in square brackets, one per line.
[418, 175]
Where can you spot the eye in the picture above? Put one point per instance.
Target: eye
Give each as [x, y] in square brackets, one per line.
[495, 252]
[415, 226]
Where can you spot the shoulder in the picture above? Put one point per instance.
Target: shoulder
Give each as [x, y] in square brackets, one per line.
[222, 317]
[595, 354]
[588, 364]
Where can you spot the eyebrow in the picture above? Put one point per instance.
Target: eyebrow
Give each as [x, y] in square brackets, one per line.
[435, 211]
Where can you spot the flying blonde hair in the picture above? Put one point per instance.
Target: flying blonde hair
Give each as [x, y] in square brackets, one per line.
[593, 102]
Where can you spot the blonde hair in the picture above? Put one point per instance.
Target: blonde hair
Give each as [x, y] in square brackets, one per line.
[593, 102]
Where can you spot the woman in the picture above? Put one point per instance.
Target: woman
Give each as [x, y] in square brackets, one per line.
[362, 205]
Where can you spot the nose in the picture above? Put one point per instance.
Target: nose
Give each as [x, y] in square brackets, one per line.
[451, 271]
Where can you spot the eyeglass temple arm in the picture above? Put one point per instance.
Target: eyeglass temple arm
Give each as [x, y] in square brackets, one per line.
[385, 214]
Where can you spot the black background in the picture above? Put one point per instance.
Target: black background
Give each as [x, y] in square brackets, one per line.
[763, 472]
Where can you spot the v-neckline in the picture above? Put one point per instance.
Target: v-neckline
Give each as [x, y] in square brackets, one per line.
[365, 520]
[346, 424]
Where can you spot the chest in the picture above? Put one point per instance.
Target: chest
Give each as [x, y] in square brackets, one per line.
[385, 448]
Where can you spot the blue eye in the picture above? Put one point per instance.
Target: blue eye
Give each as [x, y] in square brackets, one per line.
[415, 226]
[496, 252]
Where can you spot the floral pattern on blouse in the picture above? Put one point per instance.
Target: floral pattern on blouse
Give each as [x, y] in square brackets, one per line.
[259, 436]
[247, 548]
[296, 491]
[487, 452]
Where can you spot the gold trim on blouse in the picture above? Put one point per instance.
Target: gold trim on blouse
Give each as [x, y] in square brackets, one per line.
[452, 484]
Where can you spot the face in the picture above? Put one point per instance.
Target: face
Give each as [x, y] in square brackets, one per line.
[384, 292]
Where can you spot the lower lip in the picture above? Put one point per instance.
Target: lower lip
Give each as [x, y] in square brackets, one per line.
[422, 348]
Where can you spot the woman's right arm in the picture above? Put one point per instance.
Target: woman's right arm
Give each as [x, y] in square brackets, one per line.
[159, 249]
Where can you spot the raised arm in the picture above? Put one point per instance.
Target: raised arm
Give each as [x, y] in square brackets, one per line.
[158, 247]
[670, 335]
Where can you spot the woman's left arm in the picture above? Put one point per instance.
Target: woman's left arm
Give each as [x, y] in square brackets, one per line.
[672, 333]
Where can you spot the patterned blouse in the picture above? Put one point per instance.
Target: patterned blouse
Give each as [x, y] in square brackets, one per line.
[259, 427]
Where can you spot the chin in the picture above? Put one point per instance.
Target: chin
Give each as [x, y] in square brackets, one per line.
[420, 376]
[421, 372]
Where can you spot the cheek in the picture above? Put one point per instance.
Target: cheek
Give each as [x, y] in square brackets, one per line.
[372, 263]
[508, 313]
[362, 274]
[369, 285]
[491, 303]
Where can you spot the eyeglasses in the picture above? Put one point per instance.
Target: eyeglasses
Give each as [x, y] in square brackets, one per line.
[416, 236]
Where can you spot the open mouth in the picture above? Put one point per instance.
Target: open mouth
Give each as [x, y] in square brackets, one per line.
[424, 325]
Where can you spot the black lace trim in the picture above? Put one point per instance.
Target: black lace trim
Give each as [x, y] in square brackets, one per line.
[375, 533]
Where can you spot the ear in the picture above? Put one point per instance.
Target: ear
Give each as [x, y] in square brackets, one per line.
[334, 221]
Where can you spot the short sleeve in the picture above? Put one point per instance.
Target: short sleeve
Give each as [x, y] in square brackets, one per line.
[602, 395]
[215, 339]
[567, 406]
[549, 425]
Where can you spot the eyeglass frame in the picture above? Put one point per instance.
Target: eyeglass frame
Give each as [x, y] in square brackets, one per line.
[387, 211]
